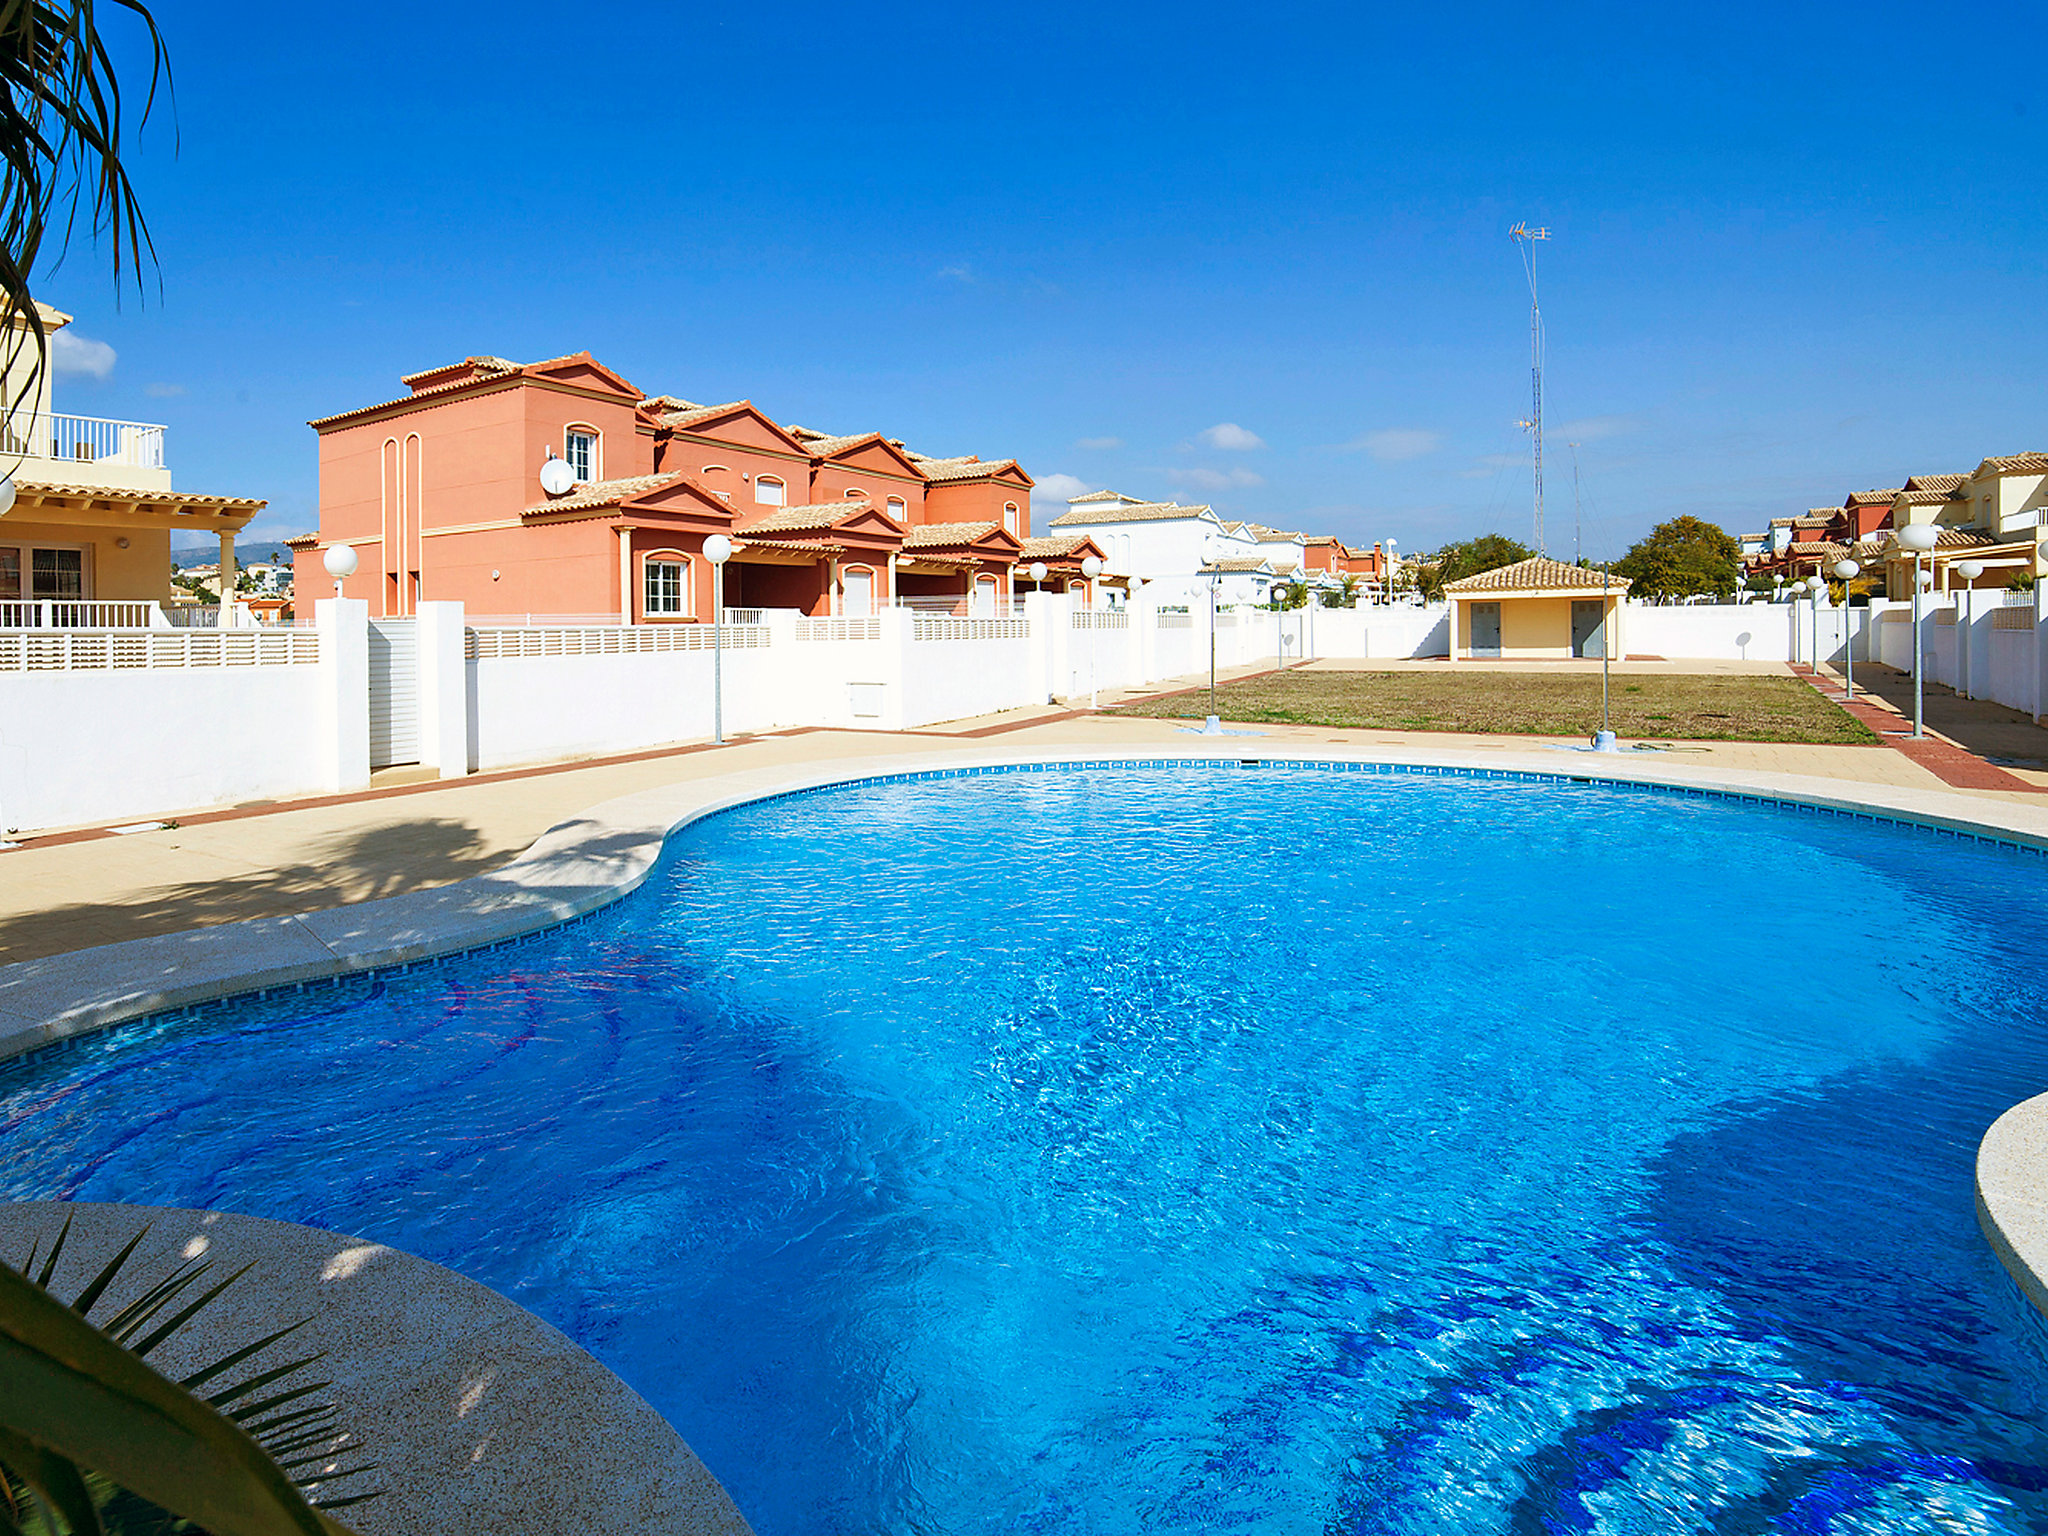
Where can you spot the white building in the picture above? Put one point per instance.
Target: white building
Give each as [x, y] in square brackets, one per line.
[1167, 545]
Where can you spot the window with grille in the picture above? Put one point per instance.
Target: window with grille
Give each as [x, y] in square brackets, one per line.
[664, 589]
[580, 449]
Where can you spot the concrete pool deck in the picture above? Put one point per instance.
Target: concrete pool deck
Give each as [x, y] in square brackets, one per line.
[81, 889]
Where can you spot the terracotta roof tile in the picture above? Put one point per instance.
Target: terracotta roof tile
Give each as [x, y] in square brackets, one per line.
[2018, 464]
[815, 515]
[1935, 482]
[1539, 575]
[57, 488]
[1237, 565]
[687, 415]
[1052, 546]
[1133, 512]
[603, 493]
[1874, 498]
[946, 535]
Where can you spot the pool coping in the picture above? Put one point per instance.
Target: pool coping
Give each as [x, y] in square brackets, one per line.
[582, 865]
[477, 1414]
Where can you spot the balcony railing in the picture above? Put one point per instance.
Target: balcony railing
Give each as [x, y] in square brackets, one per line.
[85, 440]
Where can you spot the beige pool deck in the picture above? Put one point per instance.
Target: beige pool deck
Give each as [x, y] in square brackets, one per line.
[79, 889]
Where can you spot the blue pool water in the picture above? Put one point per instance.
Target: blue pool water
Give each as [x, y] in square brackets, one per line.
[1266, 1150]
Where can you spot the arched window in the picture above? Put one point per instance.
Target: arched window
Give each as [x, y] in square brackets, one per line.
[855, 493]
[719, 478]
[665, 584]
[897, 509]
[582, 446]
[1009, 517]
[984, 597]
[770, 492]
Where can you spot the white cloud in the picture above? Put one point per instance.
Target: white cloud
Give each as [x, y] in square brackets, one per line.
[1393, 445]
[1229, 435]
[1057, 490]
[961, 273]
[1214, 479]
[72, 353]
[1492, 464]
[1100, 442]
[163, 391]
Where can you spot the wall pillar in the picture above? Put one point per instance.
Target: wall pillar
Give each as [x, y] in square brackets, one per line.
[443, 689]
[344, 626]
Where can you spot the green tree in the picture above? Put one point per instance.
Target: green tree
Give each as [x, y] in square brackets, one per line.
[1686, 557]
[61, 141]
[1488, 552]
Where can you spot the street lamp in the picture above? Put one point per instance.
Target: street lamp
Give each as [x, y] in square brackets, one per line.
[1092, 568]
[1036, 571]
[1848, 571]
[340, 561]
[1815, 586]
[1969, 570]
[1918, 538]
[718, 550]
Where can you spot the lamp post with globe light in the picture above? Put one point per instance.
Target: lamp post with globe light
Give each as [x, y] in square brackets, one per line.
[1848, 571]
[1817, 588]
[1092, 568]
[1969, 570]
[718, 550]
[1918, 539]
[340, 561]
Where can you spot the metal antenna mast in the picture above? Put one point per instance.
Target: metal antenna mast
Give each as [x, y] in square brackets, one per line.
[1525, 240]
[1577, 554]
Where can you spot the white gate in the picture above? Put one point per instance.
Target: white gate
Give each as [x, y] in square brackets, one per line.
[394, 692]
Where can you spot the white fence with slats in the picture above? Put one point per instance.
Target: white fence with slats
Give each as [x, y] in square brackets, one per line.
[826, 631]
[613, 640]
[923, 627]
[73, 650]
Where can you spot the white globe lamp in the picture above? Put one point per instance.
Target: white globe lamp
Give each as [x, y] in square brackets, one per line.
[340, 561]
[1036, 571]
[1918, 537]
[1969, 570]
[717, 548]
[1847, 570]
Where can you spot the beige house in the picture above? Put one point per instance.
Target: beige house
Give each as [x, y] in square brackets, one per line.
[85, 539]
[1993, 515]
[1536, 610]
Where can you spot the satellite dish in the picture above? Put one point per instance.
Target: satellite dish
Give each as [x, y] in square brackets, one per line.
[6, 494]
[556, 477]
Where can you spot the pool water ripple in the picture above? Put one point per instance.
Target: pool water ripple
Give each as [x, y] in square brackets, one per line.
[1145, 1150]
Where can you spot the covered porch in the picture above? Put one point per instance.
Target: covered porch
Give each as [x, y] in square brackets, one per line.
[94, 557]
[964, 569]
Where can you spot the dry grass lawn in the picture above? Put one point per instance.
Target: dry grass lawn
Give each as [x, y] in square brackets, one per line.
[1724, 707]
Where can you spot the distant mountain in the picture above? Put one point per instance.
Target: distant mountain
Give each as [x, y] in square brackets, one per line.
[191, 549]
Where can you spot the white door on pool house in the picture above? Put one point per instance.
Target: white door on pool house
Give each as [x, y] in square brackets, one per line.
[1486, 629]
[859, 602]
[1589, 630]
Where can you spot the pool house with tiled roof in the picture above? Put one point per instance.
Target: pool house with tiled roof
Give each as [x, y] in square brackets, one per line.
[1536, 610]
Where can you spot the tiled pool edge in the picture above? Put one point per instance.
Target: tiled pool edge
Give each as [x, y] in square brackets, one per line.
[587, 863]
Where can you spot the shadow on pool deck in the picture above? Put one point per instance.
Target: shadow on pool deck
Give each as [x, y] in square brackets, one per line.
[357, 866]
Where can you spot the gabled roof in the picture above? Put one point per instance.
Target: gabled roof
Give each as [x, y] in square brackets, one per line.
[1539, 575]
[1872, 498]
[1238, 565]
[1935, 482]
[960, 536]
[1134, 512]
[606, 493]
[828, 445]
[473, 371]
[1922, 498]
[2016, 464]
[1075, 501]
[1055, 546]
[810, 518]
[1267, 535]
[968, 467]
[679, 415]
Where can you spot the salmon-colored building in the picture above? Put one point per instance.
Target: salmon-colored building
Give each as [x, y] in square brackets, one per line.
[440, 494]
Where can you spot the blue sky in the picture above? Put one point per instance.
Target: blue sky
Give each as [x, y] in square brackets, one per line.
[1798, 250]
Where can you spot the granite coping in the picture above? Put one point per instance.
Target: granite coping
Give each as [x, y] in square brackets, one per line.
[479, 1416]
[605, 853]
[2012, 1194]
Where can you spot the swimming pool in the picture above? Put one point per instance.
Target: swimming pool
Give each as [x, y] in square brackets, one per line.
[1264, 1150]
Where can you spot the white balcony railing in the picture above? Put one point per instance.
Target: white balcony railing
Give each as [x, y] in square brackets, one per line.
[85, 440]
[77, 613]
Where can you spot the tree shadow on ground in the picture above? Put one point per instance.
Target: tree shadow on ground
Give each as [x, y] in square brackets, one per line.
[347, 868]
[2007, 736]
